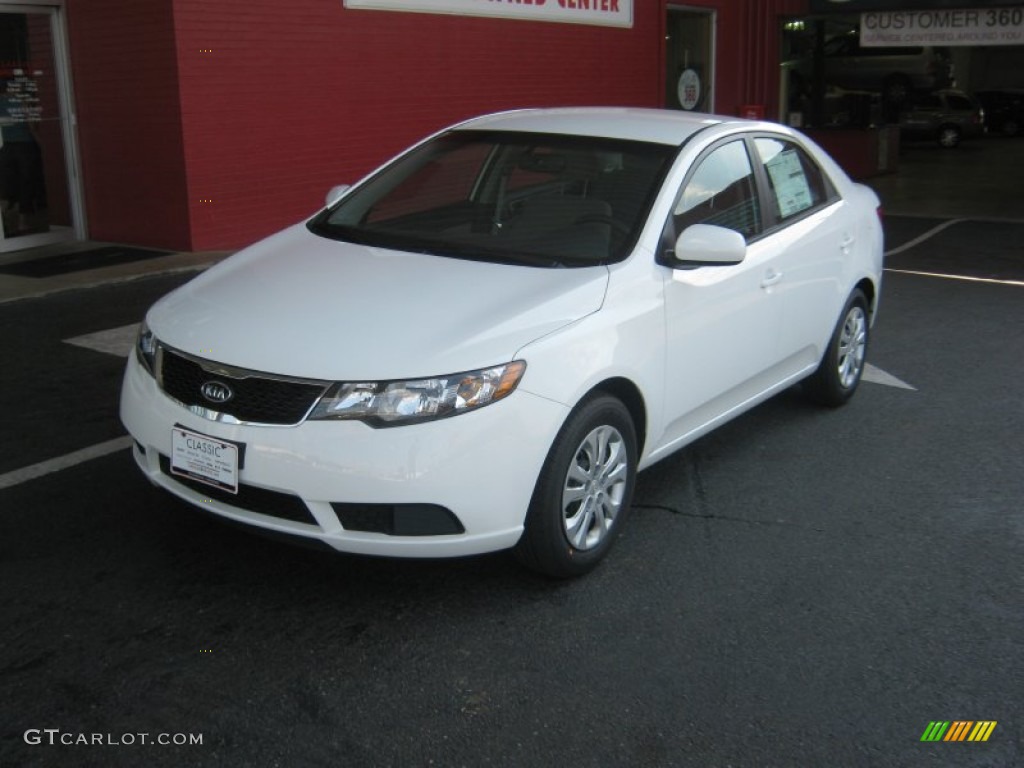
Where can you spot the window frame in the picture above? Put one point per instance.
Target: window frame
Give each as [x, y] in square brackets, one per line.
[669, 233]
[771, 222]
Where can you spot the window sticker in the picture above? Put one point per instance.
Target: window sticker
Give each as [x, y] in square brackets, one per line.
[791, 188]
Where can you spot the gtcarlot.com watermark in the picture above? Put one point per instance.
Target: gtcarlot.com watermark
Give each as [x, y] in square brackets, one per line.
[55, 736]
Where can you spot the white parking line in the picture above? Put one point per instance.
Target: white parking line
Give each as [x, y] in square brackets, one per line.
[19, 476]
[966, 278]
[921, 238]
[876, 375]
[114, 341]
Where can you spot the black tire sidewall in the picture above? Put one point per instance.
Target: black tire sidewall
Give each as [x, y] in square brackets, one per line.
[824, 386]
[544, 545]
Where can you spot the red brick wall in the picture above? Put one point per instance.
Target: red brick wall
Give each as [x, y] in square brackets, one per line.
[208, 125]
[281, 101]
[124, 68]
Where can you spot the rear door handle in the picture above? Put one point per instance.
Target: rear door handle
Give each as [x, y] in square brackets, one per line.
[846, 243]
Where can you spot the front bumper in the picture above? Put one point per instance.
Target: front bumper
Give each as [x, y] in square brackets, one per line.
[480, 466]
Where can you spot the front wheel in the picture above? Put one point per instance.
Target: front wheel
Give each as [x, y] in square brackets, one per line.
[584, 491]
[841, 368]
[949, 136]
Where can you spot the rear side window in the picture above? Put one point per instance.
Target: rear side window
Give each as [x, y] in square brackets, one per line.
[796, 184]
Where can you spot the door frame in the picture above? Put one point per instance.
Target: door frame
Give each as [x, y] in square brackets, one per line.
[712, 14]
[55, 9]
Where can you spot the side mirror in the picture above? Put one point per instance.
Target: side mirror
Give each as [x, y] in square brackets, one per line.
[335, 194]
[705, 245]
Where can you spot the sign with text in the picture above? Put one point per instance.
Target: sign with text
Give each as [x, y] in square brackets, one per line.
[968, 26]
[608, 13]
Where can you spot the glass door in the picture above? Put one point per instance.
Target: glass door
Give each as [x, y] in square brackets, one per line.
[39, 199]
[689, 60]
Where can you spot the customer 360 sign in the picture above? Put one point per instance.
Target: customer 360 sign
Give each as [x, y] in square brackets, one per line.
[966, 26]
[609, 13]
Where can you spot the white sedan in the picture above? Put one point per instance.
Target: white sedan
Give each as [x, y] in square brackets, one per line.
[479, 345]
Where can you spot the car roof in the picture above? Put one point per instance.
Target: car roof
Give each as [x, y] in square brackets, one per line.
[660, 126]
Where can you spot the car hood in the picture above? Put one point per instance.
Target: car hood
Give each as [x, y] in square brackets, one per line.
[302, 305]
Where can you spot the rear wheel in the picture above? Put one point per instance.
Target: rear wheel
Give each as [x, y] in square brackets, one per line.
[584, 491]
[841, 368]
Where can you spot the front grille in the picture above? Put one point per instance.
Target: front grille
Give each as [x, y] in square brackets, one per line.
[258, 398]
[249, 498]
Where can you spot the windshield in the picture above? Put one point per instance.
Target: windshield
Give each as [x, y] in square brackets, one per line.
[513, 197]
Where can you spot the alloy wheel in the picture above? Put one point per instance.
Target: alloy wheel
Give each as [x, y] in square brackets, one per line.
[594, 487]
[852, 346]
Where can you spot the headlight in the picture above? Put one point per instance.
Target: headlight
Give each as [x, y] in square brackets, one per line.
[390, 403]
[145, 348]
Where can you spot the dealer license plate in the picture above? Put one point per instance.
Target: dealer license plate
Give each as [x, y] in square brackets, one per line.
[205, 459]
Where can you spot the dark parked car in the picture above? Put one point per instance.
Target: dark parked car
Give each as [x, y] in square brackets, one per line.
[946, 116]
[1004, 110]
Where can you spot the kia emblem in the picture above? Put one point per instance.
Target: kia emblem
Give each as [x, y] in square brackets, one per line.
[216, 392]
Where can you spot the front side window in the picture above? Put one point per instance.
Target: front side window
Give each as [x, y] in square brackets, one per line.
[722, 191]
[524, 198]
[795, 182]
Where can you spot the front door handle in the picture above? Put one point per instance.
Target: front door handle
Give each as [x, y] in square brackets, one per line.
[771, 277]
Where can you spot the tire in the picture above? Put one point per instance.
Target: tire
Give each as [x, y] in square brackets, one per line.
[584, 491]
[840, 371]
[949, 136]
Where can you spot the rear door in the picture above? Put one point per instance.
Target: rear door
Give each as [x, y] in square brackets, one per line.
[813, 236]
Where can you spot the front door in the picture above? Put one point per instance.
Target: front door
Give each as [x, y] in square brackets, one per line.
[722, 322]
[39, 199]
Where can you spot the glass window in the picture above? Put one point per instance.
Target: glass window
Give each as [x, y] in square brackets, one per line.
[796, 183]
[433, 185]
[722, 192]
[524, 198]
